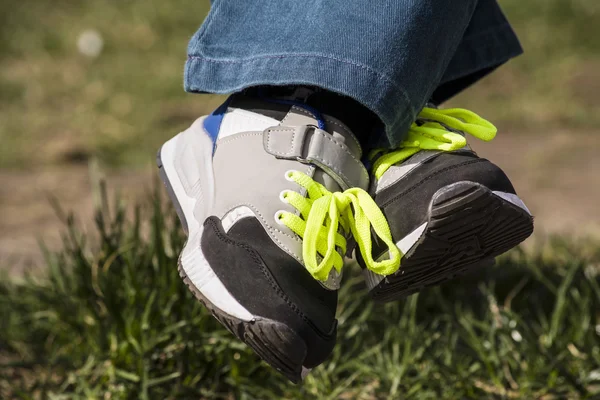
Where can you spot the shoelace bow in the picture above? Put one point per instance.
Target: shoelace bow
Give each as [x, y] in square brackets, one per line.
[436, 130]
[323, 212]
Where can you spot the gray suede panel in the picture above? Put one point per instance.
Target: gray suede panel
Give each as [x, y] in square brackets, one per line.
[397, 171]
[250, 170]
[286, 141]
[312, 145]
[400, 170]
[246, 175]
[339, 131]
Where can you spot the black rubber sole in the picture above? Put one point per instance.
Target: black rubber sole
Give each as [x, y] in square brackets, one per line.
[274, 342]
[468, 226]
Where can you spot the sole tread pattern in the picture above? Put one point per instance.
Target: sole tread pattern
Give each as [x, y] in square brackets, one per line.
[468, 226]
[272, 341]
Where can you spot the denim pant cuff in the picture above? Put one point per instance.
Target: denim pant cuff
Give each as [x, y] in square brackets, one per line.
[388, 100]
[391, 99]
[482, 50]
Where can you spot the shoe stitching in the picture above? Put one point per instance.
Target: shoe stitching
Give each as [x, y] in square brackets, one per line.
[237, 136]
[329, 120]
[363, 170]
[415, 186]
[282, 130]
[258, 260]
[346, 130]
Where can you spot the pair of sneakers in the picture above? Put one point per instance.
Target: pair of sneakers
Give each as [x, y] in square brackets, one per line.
[274, 196]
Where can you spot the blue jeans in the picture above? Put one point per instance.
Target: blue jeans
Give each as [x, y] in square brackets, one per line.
[393, 56]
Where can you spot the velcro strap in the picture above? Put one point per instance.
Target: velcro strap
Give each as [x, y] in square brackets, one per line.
[309, 144]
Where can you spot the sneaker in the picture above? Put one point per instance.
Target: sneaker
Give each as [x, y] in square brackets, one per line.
[258, 188]
[449, 210]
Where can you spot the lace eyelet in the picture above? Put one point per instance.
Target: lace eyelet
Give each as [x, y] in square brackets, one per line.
[288, 175]
[283, 196]
[279, 217]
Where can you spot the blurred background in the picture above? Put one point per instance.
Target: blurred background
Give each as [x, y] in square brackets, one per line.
[93, 88]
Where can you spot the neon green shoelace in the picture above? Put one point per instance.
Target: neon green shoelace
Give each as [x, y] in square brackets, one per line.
[322, 214]
[434, 134]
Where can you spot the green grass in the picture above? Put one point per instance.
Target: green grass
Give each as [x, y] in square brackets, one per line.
[58, 106]
[112, 320]
[554, 85]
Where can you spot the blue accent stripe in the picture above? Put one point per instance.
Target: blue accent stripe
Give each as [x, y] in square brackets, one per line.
[212, 123]
[316, 114]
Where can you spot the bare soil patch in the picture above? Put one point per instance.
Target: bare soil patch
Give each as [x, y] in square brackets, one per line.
[557, 173]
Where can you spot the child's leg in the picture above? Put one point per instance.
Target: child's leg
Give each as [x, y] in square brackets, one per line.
[388, 55]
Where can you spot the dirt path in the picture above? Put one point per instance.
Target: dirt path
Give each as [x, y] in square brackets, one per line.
[26, 214]
[556, 173]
